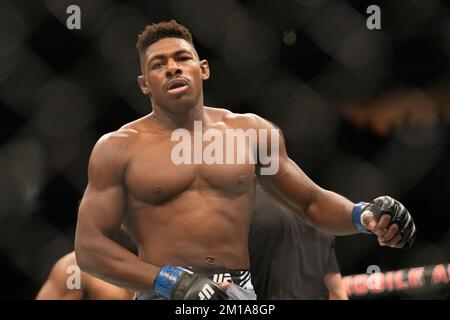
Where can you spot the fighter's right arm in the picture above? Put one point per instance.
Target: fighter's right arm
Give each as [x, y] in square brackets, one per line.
[100, 215]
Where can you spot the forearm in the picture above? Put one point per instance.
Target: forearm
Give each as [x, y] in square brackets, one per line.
[338, 295]
[335, 286]
[331, 213]
[107, 260]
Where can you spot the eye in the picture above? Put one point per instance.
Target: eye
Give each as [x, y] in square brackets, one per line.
[157, 65]
[184, 58]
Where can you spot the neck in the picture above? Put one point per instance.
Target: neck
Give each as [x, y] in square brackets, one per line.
[166, 119]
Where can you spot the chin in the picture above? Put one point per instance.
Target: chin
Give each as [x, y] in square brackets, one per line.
[181, 104]
[184, 102]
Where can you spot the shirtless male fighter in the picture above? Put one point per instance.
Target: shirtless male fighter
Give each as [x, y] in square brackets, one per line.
[190, 219]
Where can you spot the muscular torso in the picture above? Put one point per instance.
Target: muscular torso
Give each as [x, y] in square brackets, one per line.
[188, 214]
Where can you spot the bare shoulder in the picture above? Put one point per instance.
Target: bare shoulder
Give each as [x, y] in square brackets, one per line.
[243, 120]
[126, 136]
[69, 259]
[55, 287]
[118, 140]
[141, 125]
[63, 264]
[112, 152]
[238, 120]
[112, 148]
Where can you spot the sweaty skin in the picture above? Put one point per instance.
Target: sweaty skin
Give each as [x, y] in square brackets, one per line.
[189, 214]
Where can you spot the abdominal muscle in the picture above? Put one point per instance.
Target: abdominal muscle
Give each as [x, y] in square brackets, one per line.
[192, 231]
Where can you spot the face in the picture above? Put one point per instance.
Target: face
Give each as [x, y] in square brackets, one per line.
[172, 74]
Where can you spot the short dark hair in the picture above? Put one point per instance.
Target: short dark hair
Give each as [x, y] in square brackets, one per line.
[157, 31]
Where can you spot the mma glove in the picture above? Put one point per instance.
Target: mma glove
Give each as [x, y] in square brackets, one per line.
[177, 283]
[387, 205]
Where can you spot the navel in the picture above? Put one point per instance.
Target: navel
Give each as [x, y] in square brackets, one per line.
[210, 260]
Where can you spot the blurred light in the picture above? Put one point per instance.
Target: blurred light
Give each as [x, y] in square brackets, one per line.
[370, 182]
[28, 162]
[249, 44]
[206, 19]
[444, 27]
[276, 92]
[361, 48]
[416, 136]
[310, 121]
[27, 73]
[355, 178]
[289, 37]
[12, 30]
[222, 77]
[309, 3]
[441, 95]
[428, 5]
[23, 175]
[119, 29]
[55, 245]
[8, 64]
[393, 110]
[72, 161]
[10, 189]
[333, 24]
[64, 112]
[405, 165]
[131, 93]
[426, 252]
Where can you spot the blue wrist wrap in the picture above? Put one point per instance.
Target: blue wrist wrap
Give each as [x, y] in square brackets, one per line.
[166, 280]
[356, 217]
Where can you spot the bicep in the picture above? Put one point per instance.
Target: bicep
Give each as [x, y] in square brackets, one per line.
[289, 185]
[285, 182]
[102, 207]
[101, 210]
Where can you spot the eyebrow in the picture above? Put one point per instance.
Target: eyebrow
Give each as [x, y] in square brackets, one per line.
[176, 53]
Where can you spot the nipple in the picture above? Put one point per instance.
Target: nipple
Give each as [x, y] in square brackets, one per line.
[156, 190]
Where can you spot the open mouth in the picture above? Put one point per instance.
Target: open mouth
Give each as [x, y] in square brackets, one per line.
[177, 85]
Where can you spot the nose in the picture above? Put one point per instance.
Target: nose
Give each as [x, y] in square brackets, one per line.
[172, 68]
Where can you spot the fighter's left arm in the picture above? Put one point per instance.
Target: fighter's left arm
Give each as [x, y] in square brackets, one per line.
[283, 179]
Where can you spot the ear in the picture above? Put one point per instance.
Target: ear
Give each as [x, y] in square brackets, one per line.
[143, 85]
[204, 66]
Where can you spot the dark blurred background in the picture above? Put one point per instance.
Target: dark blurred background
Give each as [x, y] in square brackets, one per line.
[365, 112]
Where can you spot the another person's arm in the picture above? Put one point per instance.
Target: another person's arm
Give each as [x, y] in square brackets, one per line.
[333, 278]
[335, 286]
[55, 287]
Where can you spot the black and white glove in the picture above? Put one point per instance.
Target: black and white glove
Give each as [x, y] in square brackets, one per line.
[177, 283]
[367, 219]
